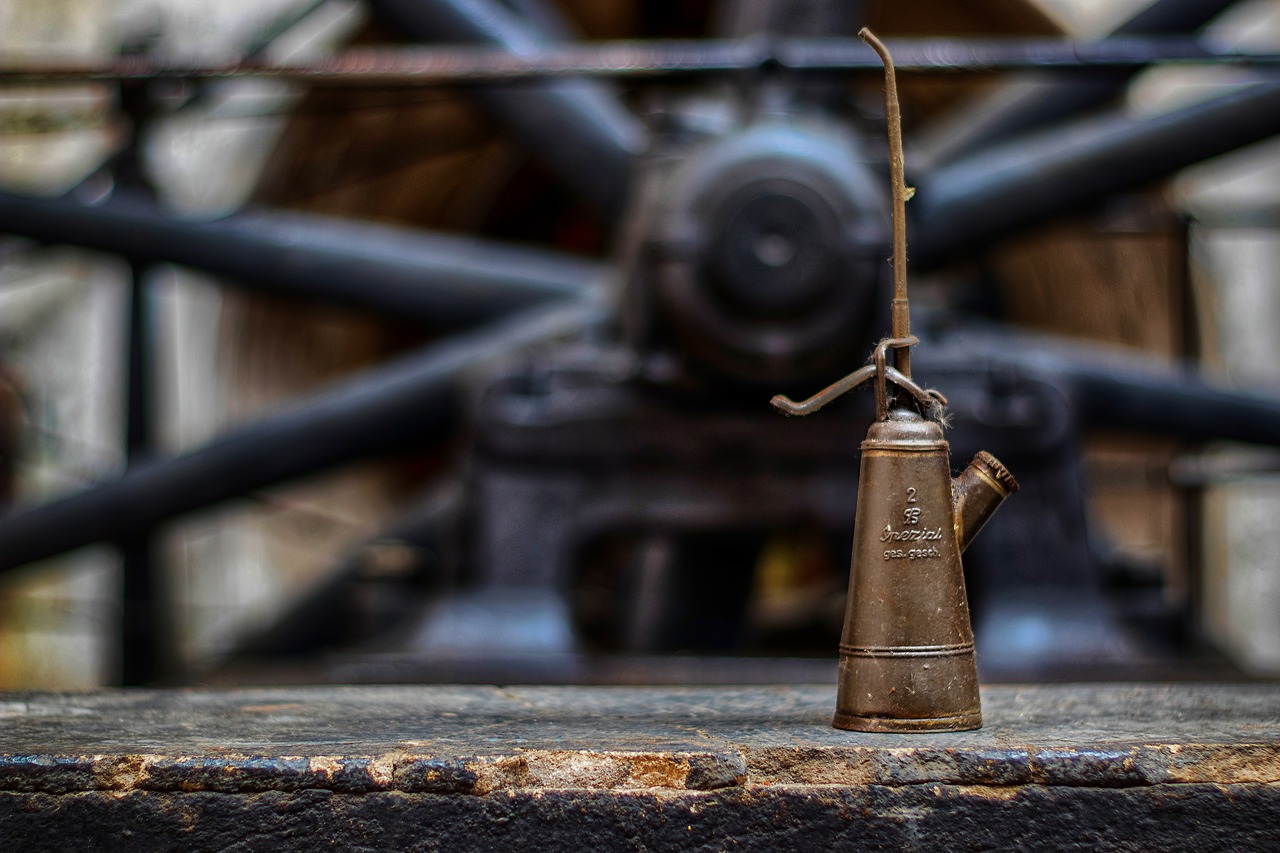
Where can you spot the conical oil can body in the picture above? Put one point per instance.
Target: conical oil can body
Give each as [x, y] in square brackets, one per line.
[907, 659]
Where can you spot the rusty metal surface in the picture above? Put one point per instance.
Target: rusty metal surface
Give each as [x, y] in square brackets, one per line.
[1118, 767]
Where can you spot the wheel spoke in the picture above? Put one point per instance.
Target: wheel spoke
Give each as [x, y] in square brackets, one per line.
[409, 402]
[1121, 388]
[985, 196]
[441, 280]
[579, 127]
[1035, 100]
[544, 18]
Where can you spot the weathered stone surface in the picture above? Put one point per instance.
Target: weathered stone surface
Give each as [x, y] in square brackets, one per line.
[1063, 767]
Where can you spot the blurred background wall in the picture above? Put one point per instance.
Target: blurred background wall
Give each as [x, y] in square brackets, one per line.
[227, 356]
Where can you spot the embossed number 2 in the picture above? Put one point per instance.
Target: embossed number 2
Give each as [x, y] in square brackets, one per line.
[911, 515]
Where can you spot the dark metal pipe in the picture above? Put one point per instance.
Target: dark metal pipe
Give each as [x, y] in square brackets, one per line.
[579, 127]
[1036, 100]
[989, 195]
[440, 280]
[411, 401]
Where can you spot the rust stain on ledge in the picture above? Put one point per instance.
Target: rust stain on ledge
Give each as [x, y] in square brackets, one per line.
[609, 771]
[1113, 766]
[572, 769]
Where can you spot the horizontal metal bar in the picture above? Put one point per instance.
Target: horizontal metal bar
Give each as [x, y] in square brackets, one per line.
[977, 199]
[410, 402]
[440, 280]
[428, 66]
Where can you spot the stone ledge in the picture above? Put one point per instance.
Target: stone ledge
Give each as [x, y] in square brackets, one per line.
[1069, 767]
[477, 740]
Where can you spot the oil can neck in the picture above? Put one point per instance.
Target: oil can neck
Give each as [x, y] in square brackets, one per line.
[903, 425]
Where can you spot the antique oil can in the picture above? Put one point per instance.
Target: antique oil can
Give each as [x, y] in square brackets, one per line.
[907, 659]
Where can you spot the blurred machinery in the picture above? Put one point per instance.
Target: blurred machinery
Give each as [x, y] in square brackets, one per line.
[626, 491]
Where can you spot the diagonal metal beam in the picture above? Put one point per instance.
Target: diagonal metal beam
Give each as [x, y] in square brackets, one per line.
[1034, 100]
[409, 402]
[544, 17]
[969, 203]
[440, 280]
[579, 127]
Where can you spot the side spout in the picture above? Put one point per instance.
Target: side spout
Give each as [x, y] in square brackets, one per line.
[977, 493]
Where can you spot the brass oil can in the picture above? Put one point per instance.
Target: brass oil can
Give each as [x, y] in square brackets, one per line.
[907, 659]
